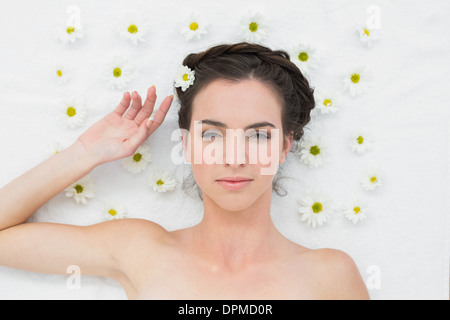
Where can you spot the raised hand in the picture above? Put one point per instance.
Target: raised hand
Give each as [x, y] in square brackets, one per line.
[122, 131]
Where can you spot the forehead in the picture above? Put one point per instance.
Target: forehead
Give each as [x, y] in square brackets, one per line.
[230, 100]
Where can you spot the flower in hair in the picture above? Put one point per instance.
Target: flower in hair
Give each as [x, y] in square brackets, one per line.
[184, 78]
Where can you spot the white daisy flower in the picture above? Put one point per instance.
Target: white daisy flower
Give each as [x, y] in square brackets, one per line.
[81, 190]
[61, 74]
[371, 179]
[118, 73]
[184, 77]
[162, 181]
[326, 102]
[139, 161]
[315, 208]
[358, 81]
[366, 35]
[194, 26]
[54, 149]
[305, 57]
[252, 27]
[313, 151]
[355, 210]
[361, 141]
[73, 113]
[71, 33]
[113, 210]
[133, 27]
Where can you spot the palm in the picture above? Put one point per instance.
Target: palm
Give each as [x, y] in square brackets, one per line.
[110, 136]
[119, 134]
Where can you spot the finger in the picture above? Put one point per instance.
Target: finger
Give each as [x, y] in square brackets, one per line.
[160, 115]
[135, 106]
[139, 137]
[144, 131]
[148, 106]
[124, 104]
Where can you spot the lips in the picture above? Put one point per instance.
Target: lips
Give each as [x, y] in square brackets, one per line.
[235, 183]
[235, 179]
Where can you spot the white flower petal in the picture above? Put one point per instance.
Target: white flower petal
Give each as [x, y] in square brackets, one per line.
[162, 181]
[81, 189]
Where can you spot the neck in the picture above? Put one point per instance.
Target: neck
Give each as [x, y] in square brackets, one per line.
[235, 239]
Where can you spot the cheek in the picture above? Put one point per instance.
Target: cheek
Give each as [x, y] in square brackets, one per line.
[204, 175]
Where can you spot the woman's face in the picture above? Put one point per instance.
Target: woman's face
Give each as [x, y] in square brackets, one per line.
[226, 144]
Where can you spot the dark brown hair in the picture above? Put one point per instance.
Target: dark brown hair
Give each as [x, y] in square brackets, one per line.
[244, 61]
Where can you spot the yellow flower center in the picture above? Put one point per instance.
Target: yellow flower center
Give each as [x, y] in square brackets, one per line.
[327, 102]
[70, 29]
[356, 210]
[317, 207]
[355, 78]
[373, 179]
[117, 72]
[137, 157]
[112, 212]
[314, 150]
[132, 29]
[71, 111]
[159, 182]
[79, 188]
[366, 32]
[193, 26]
[185, 77]
[303, 56]
[253, 26]
[59, 73]
[360, 140]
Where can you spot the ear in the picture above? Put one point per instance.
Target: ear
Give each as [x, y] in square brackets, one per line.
[288, 141]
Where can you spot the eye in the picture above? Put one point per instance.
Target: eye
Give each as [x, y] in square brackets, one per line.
[209, 134]
[260, 136]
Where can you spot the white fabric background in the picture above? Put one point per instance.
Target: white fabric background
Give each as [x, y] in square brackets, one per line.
[406, 233]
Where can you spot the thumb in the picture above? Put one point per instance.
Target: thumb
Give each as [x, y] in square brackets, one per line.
[142, 134]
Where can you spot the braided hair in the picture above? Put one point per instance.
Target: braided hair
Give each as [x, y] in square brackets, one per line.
[244, 61]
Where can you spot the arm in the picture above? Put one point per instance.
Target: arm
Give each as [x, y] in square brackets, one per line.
[48, 247]
[23, 196]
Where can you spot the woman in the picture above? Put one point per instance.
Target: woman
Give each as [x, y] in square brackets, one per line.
[235, 252]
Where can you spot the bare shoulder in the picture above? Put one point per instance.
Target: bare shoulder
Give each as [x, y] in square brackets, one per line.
[124, 233]
[134, 228]
[337, 275]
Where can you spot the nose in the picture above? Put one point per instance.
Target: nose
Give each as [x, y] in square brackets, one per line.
[235, 151]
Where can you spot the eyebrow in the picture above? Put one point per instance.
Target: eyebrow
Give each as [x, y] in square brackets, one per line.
[223, 125]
